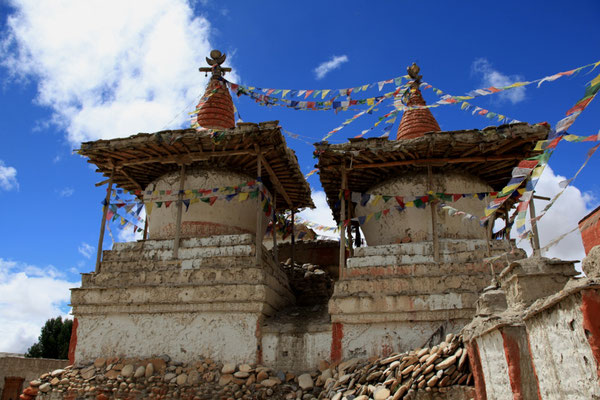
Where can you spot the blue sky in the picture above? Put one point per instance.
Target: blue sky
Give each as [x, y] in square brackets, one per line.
[102, 69]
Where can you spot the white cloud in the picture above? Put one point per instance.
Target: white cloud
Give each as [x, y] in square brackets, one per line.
[321, 214]
[492, 77]
[29, 296]
[564, 215]
[8, 177]
[109, 68]
[66, 192]
[86, 250]
[328, 66]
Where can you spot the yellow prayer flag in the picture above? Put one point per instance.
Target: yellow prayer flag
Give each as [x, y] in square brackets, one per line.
[148, 207]
[369, 217]
[365, 87]
[595, 81]
[537, 171]
[243, 196]
[539, 144]
[324, 93]
[376, 200]
[370, 101]
[285, 92]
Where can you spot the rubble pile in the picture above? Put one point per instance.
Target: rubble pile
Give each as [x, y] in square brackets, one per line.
[310, 283]
[400, 376]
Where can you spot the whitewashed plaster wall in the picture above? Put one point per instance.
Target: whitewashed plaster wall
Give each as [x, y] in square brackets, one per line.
[414, 224]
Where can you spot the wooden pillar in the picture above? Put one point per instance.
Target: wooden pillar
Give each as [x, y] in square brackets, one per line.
[146, 227]
[103, 224]
[259, 238]
[349, 228]
[488, 235]
[535, 240]
[179, 213]
[293, 235]
[275, 255]
[434, 228]
[342, 227]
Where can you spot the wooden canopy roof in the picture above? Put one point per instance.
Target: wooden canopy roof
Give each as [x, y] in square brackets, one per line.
[490, 154]
[140, 159]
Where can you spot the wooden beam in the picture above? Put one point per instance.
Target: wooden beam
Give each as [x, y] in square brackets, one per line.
[434, 230]
[258, 244]
[274, 216]
[535, 240]
[186, 158]
[102, 182]
[275, 179]
[103, 224]
[433, 161]
[179, 212]
[293, 236]
[137, 185]
[342, 228]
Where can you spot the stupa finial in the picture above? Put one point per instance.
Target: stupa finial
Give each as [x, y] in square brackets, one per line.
[216, 59]
[413, 72]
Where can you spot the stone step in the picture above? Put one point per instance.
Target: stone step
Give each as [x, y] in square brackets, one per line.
[166, 244]
[142, 264]
[459, 317]
[420, 269]
[396, 303]
[447, 246]
[405, 285]
[181, 294]
[186, 253]
[387, 260]
[200, 276]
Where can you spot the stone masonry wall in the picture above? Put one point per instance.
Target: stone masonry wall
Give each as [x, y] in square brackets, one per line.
[209, 301]
[546, 348]
[27, 368]
[567, 365]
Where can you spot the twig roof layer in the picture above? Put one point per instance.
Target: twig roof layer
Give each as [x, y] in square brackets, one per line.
[490, 154]
[141, 158]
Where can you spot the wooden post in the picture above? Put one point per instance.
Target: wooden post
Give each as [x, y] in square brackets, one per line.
[535, 240]
[434, 230]
[488, 235]
[342, 227]
[179, 212]
[259, 238]
[103, 224]
[293, 235]
[146, 227]
[349, 229]
[275, 255]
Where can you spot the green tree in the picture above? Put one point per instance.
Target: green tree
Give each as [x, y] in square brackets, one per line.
[53, 341]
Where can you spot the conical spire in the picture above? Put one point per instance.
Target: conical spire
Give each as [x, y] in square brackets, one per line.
[216, 106]
[417, 121]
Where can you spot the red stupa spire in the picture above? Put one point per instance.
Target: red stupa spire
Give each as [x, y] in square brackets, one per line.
[417, 121]
[216, 106]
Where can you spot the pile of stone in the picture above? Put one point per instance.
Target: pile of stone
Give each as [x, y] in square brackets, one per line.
[310, 283]
[161, 378]
[400, 376]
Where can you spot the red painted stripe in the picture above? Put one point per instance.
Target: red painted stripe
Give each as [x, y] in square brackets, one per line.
[513, 360]
[475, 361]
[590, 308]
[73, 342]
[337, 333]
